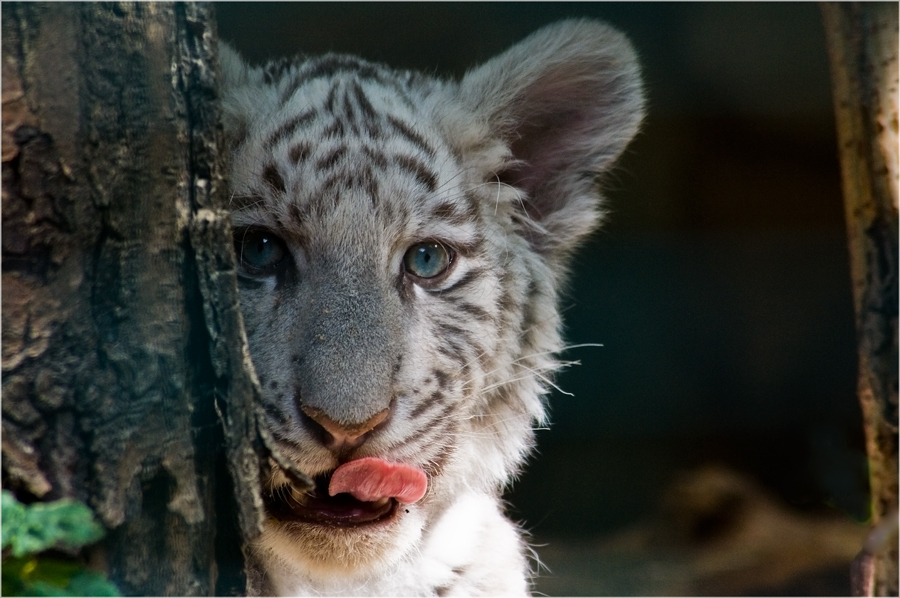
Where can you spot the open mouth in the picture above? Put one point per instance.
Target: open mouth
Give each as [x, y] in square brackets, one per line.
[317, 506]
[359, 492]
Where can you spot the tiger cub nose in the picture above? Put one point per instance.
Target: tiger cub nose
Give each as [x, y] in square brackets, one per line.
[343, 435]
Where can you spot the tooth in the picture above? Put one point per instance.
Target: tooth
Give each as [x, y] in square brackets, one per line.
[380, 502]
[299, 496]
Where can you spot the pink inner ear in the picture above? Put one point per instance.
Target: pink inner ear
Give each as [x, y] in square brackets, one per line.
[573, 122]
[547, 146]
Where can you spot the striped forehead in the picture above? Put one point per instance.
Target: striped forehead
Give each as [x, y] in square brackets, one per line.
[354, 136]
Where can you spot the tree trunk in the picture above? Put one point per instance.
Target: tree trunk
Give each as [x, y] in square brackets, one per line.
[125, 368]
[862, 44]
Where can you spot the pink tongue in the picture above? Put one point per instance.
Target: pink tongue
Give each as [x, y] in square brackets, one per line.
[371, 479]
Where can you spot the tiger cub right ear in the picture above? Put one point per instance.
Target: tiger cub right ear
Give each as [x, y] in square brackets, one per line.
[565, 102]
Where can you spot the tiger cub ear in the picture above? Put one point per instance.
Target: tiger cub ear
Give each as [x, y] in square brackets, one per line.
[565, 101]
[243, 93]
[235, 72]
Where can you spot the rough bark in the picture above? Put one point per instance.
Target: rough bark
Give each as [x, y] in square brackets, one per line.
[125, 368]
[862, 44]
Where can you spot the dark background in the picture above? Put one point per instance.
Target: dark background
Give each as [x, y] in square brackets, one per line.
[719, 285]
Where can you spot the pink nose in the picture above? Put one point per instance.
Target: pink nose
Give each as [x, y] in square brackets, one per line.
[348, 435]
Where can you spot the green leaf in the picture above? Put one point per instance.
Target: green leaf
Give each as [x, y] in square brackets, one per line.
[33, 528]
[13, 515]
[29, 529]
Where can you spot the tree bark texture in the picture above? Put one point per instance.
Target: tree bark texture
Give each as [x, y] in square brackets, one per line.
[125, 366]
[862, 44]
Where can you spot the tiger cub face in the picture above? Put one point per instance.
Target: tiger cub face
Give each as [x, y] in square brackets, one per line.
[400, 242]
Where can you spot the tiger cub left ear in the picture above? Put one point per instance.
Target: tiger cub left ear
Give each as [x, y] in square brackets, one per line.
[565, 101]
[243, 93]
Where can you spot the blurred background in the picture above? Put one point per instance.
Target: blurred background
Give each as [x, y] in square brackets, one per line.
[713, 444]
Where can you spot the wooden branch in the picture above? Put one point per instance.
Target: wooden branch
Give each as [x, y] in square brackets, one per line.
[862, 44]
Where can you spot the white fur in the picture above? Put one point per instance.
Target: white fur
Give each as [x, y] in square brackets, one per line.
[471, 535]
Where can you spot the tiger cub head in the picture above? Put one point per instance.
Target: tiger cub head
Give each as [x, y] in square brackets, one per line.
[400, 243]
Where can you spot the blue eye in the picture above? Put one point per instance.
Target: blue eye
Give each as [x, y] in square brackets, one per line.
[427, 260]
[259, 250]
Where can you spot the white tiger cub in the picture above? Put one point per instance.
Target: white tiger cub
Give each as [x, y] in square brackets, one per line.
[401, 240]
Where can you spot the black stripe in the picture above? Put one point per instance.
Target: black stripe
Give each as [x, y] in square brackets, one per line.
[289, 89]
[453, 213]
[289, 127]
[437, 424]
[328, 162]
[376, 158]
[362, 101]
[445, 211]
[332, 181]
[402, 92]
[450, 349]
[371, 185]
[329, 100]
[470, 277]
[275, 70]
[442, 378]
[470, 248]
[300, 151]
[373, 129]
[474, 311]
[332, 64]
[473, 204]
[454, 331]
[273, 178]
[417, 140]
[528, 325]
[296, 214]
[506, 303]
[335, 130]
[349, 112]
[436, 398]
[436, 464]
[361, 179]
[427, 178]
